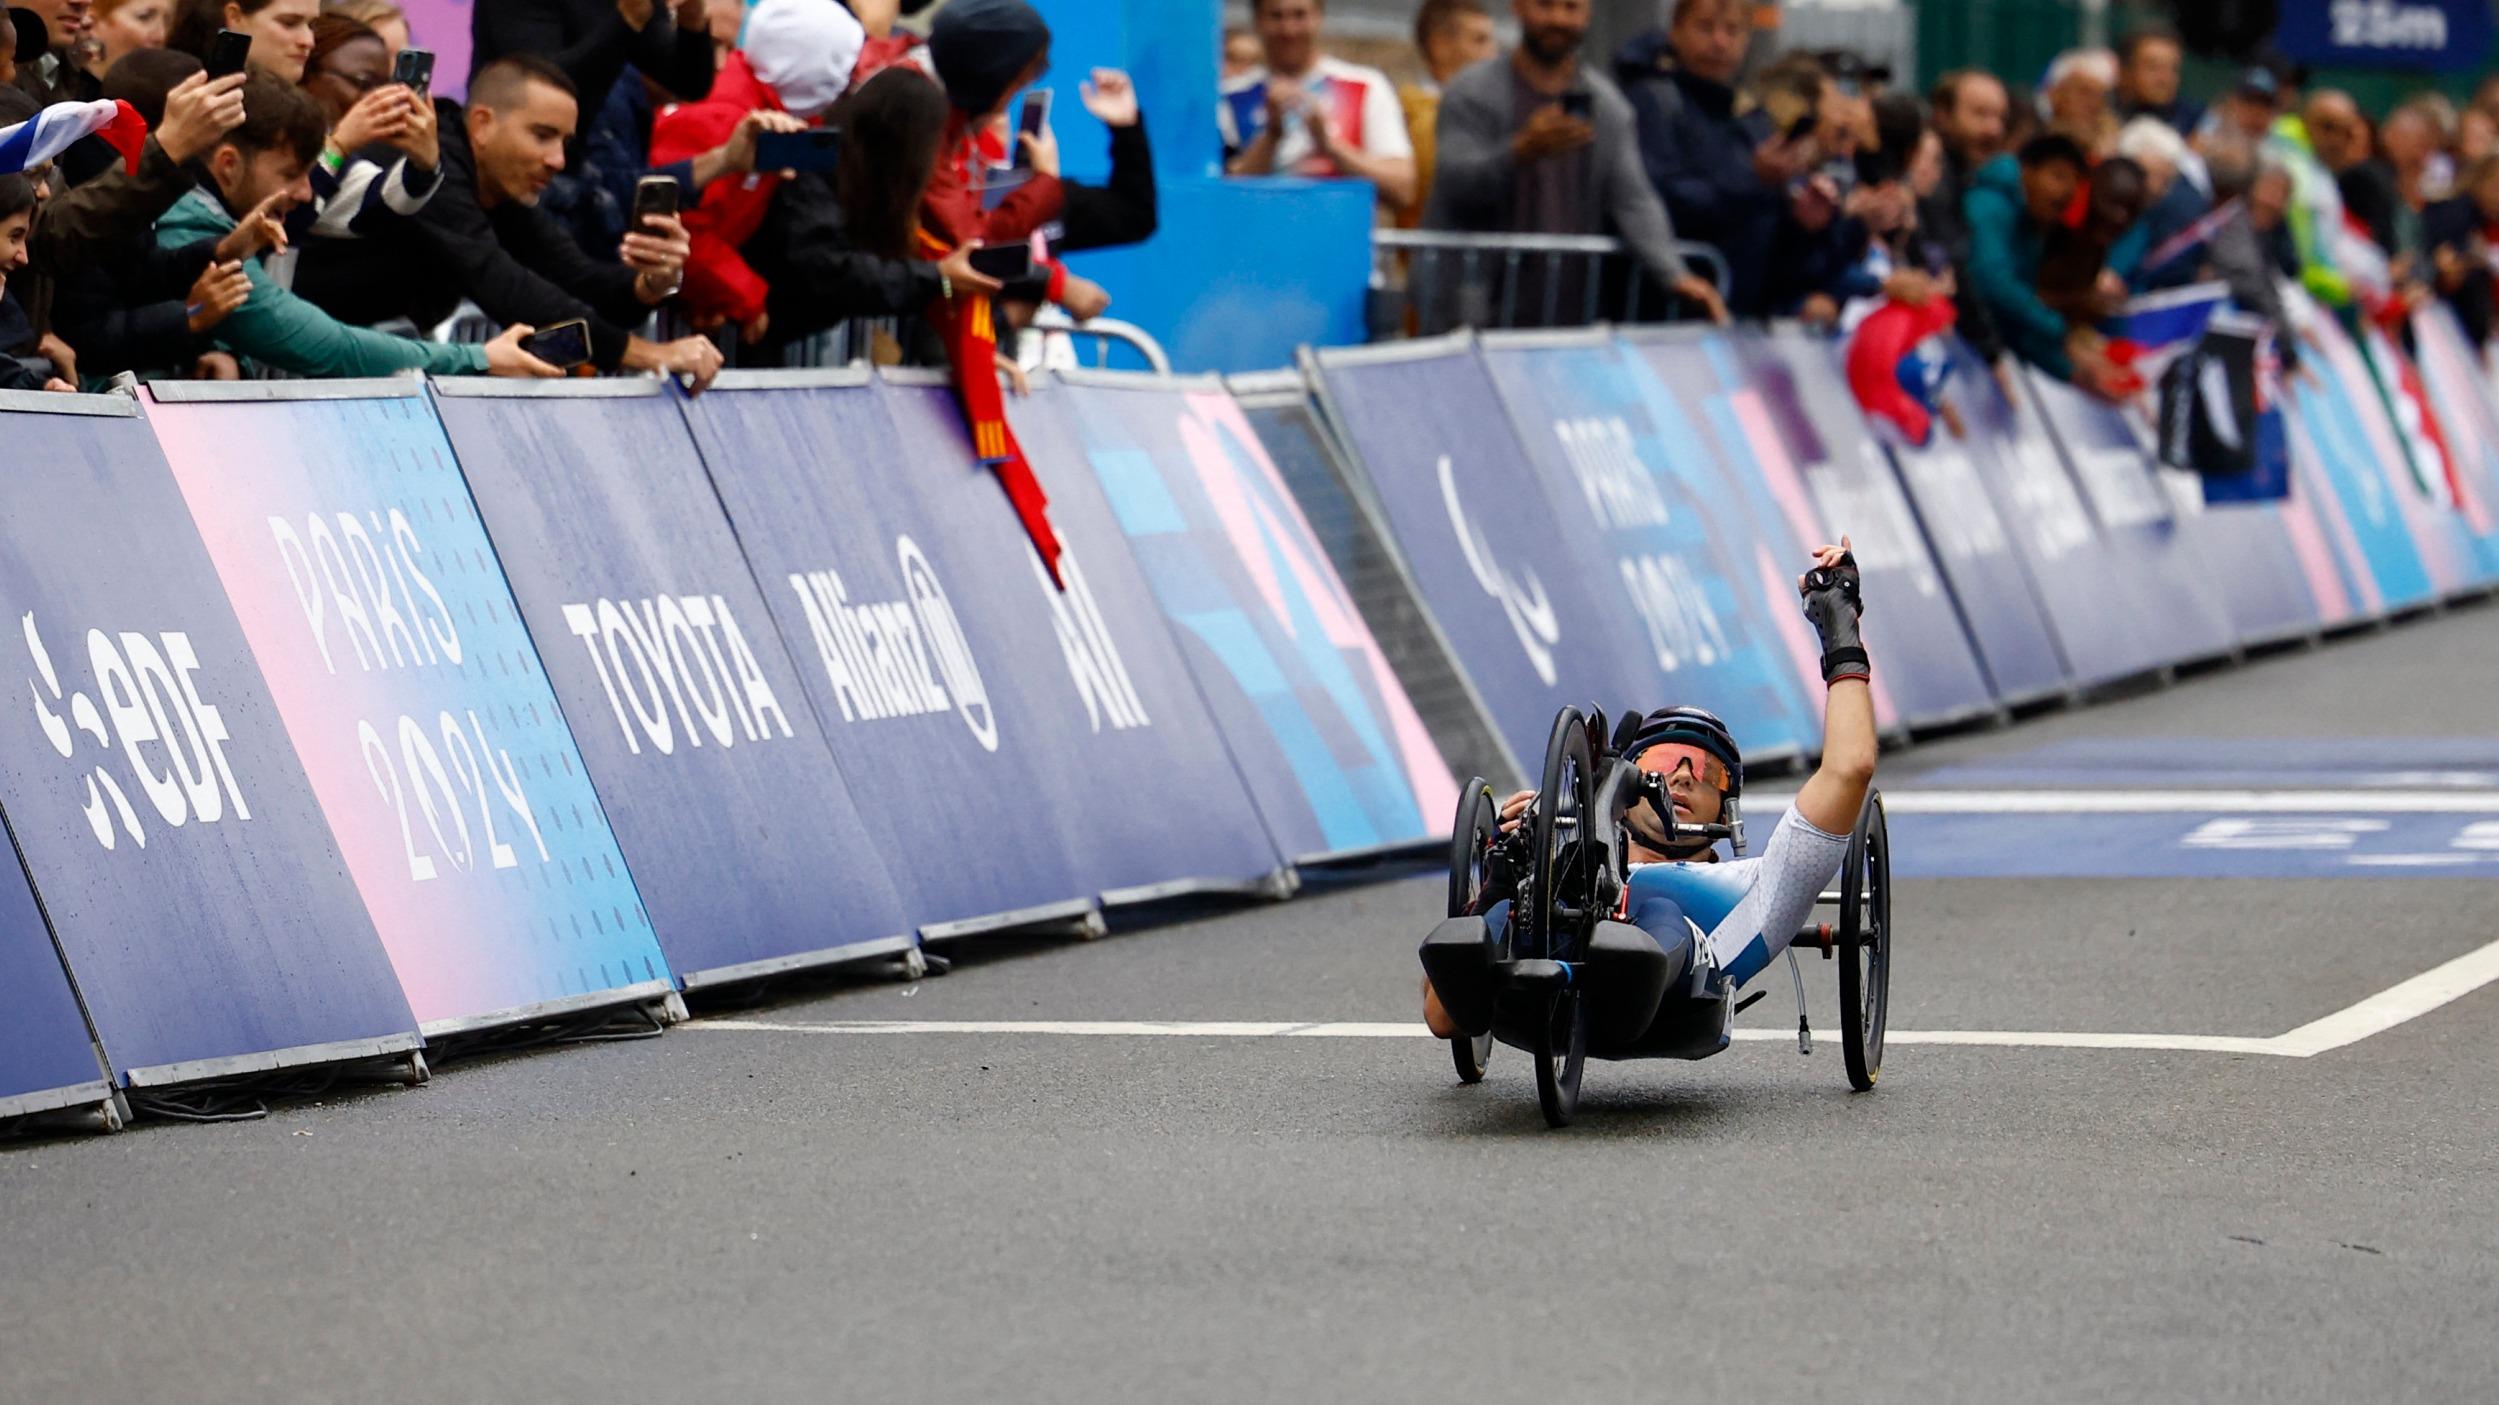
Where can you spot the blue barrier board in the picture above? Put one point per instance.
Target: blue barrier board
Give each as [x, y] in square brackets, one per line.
[1977, 550]
[46, 1059]
[1859, 489]
[345, 535]
[1520, 608]
[745, 841]
[169, 827]
[1679, 558]
[2229, 569]
[929, 727]
[1141, 783]
[1328, 742]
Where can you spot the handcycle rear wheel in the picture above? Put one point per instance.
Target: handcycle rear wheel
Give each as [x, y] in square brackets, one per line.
[1559, 868]
[1561, 1056]
[1865, 941]
[1471, 840]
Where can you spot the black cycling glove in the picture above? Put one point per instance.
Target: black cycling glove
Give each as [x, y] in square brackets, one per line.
[1833, 604]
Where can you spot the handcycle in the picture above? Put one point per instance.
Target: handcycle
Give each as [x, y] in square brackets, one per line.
[1562, 980]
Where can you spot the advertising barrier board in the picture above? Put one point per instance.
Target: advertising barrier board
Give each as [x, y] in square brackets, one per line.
[745, 840]
[178, 848]
[47, 1060]
[1327, 741]
[1932, 663]
[345, 535]
[1147, 793]
[1676, 559]
[1535, 623]
[2177, 594]
[916, 713]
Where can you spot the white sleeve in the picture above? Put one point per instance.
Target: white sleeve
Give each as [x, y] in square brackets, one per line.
[1795, 866]
[1383, 119]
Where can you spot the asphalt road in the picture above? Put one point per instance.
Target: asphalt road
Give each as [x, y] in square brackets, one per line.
[796, 1214]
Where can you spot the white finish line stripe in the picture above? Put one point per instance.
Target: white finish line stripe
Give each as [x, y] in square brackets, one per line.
[2161, 802]
[2379, 1013]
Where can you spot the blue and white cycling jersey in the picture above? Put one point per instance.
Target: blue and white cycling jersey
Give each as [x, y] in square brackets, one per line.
[1749, 909]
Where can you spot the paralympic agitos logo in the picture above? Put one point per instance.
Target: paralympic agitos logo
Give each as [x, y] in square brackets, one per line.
[174, 742]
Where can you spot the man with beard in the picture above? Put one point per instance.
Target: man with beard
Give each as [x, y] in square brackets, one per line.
[1538, 143]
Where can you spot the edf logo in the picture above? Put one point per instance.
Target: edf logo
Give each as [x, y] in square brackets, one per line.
[173, 743]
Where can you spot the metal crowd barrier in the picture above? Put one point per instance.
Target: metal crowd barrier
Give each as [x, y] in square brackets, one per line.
[1505, 281]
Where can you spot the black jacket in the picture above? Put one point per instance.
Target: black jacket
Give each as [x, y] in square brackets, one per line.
[1698, 152]
[128, 312]
[514, 261]
[589, 40]
[1121, 210]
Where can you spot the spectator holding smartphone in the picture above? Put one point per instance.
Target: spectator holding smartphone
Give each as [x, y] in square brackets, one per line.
[250, 176]
[1539, 143]
[383, 158]
[794, 65]
[483, 237]
[1727, 173]
[281, 31]
[1308, 113]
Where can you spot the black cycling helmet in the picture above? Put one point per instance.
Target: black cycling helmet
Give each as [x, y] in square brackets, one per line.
[1695, 727]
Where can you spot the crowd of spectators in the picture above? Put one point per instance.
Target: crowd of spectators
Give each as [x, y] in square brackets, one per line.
[2036, 211]
[324, 212]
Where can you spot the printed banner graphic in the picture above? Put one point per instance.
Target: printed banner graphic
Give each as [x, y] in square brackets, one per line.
[1325, 736]
[918, 714]
[163, 815]
[345, 536]
[1677, 558]
[1519, 609]
[745, 840]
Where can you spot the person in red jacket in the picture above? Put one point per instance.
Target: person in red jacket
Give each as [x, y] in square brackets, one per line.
[795, 62]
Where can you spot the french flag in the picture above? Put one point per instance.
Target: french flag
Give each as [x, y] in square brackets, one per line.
[55, 129]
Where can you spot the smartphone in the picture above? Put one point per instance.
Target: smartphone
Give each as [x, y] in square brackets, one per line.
[1580, 105]
[414, 69]
[228, 53]
[653, 196]
[818, 149]
[1804, 124]
[1032, 122]
[1005, 262]
[563, 346]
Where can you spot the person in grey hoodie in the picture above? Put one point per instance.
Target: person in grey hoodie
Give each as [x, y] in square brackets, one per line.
[1536, 142]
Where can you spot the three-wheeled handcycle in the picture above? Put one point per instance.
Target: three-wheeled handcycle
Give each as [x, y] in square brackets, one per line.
[1564, 979]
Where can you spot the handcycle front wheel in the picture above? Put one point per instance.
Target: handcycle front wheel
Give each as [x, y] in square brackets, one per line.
[1865, 942]
[1561, 1056]
[1471, 841]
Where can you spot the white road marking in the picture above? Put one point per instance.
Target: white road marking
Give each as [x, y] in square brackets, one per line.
[2376, 1015]
[2394, 1005]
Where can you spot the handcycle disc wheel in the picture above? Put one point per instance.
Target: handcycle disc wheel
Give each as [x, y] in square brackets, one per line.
[1561, 1055]
[1471, 841]
[1559, 868]
[1865, 939]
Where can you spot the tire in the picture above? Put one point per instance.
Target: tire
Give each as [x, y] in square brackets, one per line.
[1561, 1056]
[1471, 837]
[1865, 942]
[1561, 871]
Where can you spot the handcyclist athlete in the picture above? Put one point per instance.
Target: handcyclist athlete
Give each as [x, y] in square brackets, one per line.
[1736, 917]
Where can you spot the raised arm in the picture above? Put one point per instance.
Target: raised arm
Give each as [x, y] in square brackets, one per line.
[1836, 791]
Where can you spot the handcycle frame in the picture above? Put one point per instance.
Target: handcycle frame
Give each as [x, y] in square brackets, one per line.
[1563, 979]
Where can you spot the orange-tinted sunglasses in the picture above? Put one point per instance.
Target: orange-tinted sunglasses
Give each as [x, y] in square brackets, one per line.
[1674, 756]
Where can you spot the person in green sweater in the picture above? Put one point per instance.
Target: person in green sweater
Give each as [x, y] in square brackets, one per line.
[2012, 204]
[256, 173]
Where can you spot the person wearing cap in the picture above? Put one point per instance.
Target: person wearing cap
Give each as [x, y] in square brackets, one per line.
[792, 65]
[1768, 897]
[2252, 106]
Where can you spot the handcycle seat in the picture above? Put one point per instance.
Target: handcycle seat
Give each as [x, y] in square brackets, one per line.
[1643, 1000]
